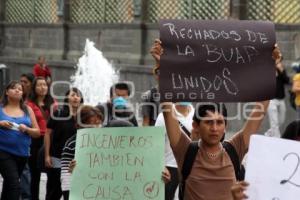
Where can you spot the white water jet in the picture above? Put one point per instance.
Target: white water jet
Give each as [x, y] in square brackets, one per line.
[94, 75]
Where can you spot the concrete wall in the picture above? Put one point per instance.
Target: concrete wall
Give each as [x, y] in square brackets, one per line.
[122, 43]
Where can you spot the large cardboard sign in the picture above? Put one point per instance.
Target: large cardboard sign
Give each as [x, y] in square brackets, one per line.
[273, 169]
[217, 61]
[119, 163]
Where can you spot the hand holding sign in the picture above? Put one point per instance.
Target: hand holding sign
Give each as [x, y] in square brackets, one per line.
[166, 176]
[238, 189]
[72, 165]
[276, 54]
[156, 51]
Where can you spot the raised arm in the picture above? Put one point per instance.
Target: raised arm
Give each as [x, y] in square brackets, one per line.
[172, 125]
[156, 51]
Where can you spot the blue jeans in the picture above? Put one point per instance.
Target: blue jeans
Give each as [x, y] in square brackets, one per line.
[11, 168]
[25, 183]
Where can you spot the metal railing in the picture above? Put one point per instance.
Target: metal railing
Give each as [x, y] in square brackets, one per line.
[101, 11]
[278, 11]
[125, 11]
[31, 11]
[188, 9]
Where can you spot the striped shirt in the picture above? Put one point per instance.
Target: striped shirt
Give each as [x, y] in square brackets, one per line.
[67, 156]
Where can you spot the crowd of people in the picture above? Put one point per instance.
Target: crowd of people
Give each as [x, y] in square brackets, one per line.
[37, 135]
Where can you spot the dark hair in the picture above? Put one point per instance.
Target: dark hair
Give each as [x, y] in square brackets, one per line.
[85, 113]
[66, 99]
[120, 86]
[201, 110]
[29, 76]
[4, 99]
[292, 131]
[41, 56]
[48, 101]
[119, 123]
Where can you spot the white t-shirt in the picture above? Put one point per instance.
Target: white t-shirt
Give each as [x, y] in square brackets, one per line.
[186, 121]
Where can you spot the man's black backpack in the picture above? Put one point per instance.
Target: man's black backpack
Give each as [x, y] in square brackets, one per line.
[190, 156]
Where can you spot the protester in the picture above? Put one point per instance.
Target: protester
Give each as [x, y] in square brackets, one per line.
[26, 81]
[17, 126]
[87, 117]
[41, 69]
[150, 103]
[118, 107]
[184, 112]
[212, 174]
[277, 107]
[61, 126]
[25, 180]
[41, 103]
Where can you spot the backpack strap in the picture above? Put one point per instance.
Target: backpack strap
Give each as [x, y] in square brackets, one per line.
[234, 159]
[187, 132]
[188, 162]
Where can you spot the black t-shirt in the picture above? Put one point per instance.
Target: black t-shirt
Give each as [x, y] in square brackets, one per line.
[63, 127]
[281, 80]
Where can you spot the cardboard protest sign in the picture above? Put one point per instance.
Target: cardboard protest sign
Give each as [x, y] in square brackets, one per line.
[216, 61]
[273, 169]
[119, 163]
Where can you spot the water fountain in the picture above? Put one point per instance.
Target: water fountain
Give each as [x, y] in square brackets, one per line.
[94, 75]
